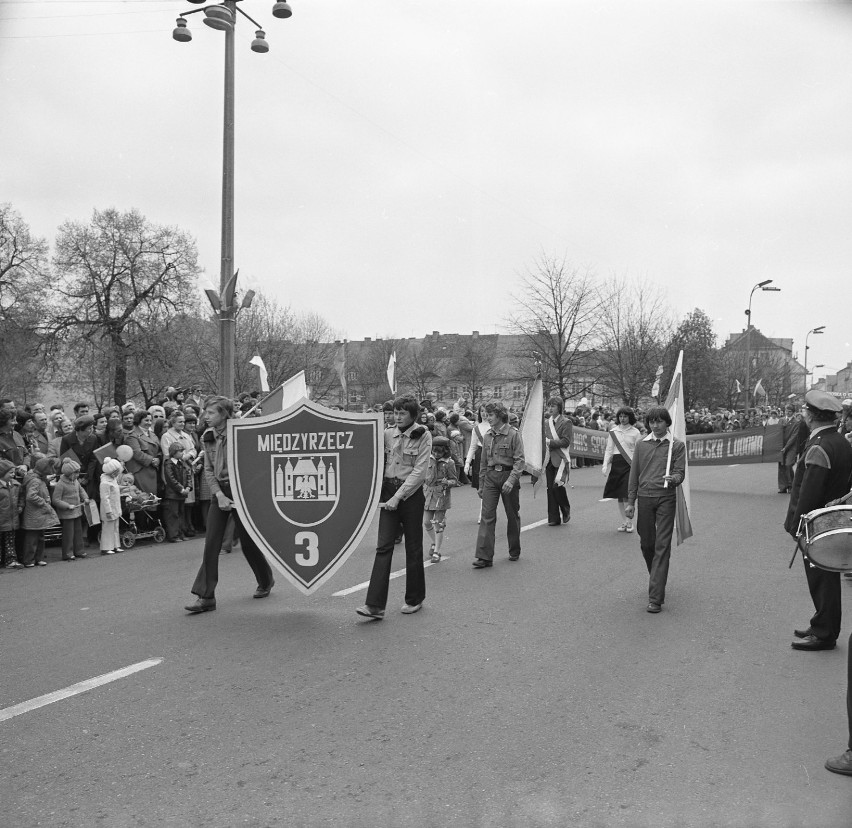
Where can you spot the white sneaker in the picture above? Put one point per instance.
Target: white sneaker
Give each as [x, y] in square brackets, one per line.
[628, 527]
[408, 609]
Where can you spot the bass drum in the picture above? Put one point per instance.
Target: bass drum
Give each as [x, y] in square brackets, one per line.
[825, 538]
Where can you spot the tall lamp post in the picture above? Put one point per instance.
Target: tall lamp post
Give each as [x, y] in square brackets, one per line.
[223, 16]
[818, 330]
[759, 286]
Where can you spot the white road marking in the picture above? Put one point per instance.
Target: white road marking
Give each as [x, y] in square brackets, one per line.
[393, 575]
[75, 689]
[534, 525]
[400, 572]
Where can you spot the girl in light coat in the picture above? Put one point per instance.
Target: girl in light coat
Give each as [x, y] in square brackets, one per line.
[110, 506]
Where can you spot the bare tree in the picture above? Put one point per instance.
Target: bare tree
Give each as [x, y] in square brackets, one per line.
[474, 364]
[421, 366]
[635, 327]
[558, 309]
[24, 276]
[114, 276]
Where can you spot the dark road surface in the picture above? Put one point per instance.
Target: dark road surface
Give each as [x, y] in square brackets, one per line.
[536, 693]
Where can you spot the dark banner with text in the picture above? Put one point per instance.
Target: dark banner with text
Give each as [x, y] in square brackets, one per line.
[754, 445]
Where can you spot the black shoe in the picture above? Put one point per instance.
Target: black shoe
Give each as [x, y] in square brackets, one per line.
[514, 557]
[652, 607]
[481, 563]
[190, 534]
[554, 523]
[262, 592]
[397, 539]
[840, 764]
[566, 516]
[802, 633]
[201, 605]
[811, 642]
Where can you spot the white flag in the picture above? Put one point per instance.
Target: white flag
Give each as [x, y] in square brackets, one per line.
[674, 403]
[532, 433]
[392, 373]
[759, 390]
[264, 377]
[293, 390]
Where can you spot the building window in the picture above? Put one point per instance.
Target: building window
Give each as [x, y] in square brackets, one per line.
[353, 397]
[315, 376]
[351, 376]
[454, 392]
[498, 391]
[517, 392]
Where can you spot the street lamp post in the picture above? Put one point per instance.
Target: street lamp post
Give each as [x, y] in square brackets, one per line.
[819, 330]
[223, 16]
[761, 286]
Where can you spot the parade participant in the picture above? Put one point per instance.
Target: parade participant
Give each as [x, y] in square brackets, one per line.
[558, 433]
[11, 505]
[822, 475]
[500, 468]
[623, 437]
[658, 468]
[440, 478]
[110, 508]
[68, 499]
[215, 441]
[408, 447]
[474, 452]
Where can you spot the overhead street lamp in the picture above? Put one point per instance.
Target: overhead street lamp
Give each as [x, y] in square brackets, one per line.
[759, 286]
[819, 330]
[223, 17]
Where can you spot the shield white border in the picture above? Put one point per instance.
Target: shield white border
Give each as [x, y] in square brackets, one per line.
[366, 518]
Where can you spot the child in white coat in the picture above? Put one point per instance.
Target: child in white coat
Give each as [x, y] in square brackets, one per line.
[110, 507]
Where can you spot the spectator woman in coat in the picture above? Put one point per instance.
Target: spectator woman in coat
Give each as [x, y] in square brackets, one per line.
[145, 462]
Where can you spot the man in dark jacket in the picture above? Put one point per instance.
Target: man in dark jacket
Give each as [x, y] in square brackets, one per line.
[822, 475]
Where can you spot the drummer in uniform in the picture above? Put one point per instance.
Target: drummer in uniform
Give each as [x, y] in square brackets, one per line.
[822, 475]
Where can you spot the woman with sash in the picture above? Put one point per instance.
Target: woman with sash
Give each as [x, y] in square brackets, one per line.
[617, 459]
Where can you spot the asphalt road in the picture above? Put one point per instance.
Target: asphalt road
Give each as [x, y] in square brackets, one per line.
[537, 693]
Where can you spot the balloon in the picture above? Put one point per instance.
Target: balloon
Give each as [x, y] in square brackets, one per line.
[124, 453]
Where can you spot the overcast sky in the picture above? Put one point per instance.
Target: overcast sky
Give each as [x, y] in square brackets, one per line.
[400, 162]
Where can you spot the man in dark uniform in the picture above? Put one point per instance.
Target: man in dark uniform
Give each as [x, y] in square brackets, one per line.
[500, 468]
[558, 432]
[822, 475]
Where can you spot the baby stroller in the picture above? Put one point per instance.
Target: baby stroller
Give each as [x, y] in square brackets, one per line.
[139, 520]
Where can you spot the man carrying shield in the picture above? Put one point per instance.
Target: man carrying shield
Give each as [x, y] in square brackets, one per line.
[215, 442]
[408, 447]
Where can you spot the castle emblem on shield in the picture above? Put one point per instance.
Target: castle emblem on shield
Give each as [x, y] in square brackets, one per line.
[305, 486]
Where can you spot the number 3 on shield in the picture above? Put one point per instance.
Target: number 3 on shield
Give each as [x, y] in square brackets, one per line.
[310, 557]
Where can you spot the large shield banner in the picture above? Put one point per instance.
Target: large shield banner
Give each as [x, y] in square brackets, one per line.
[306, 483]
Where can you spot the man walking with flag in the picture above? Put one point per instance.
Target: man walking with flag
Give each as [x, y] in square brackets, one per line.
[659, 479]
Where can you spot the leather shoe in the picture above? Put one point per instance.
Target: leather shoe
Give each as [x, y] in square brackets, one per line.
[514, 557]
[202, 605]
[481, 563]
[262, 592]
[802, 633]
[840, 764]
[554, 523]
[652, 607]
[371, 612]
[811, 642]
[566, 517]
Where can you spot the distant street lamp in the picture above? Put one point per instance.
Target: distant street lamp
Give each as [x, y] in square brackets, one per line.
[819, 330]
[759, 286]
[223, 17]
